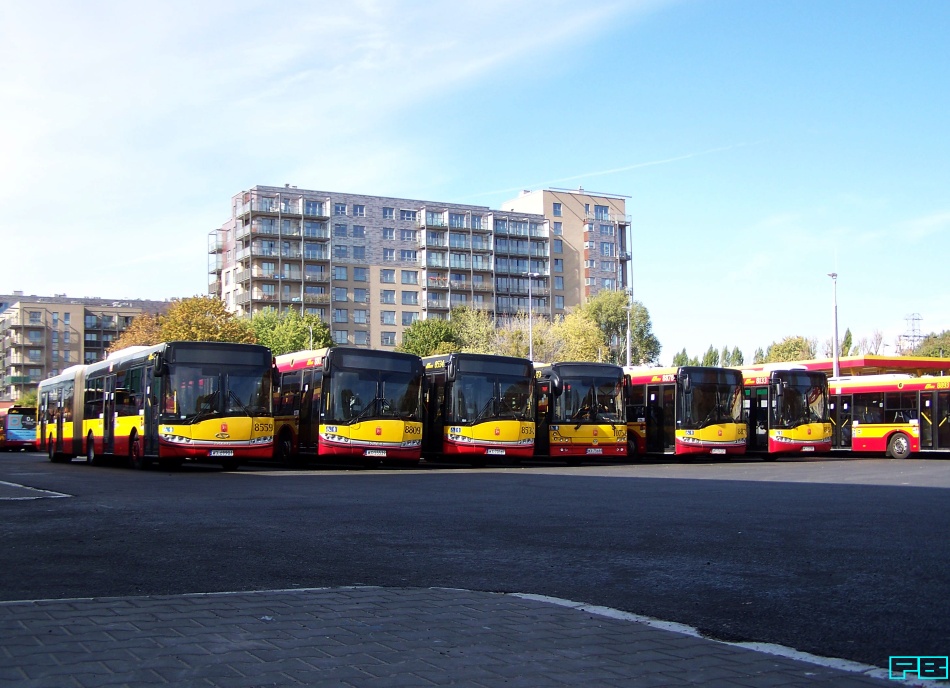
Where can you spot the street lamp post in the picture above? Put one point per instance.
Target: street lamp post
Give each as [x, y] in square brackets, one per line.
[531, 276]
[629, 338]
[837, 349]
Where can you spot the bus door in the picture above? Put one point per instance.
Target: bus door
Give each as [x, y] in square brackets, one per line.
[57, 401]
[44, 401]
[926, 417]
[151, 413]
[841, 419]
[943, 420]
[661, 418]
[108, 414]
[308, 415]
[757, 418]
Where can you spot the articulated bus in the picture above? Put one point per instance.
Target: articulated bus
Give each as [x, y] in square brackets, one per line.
[478, 406]
[894, 414]
[176, 401]
[580, 411]
[690, 410]
[346, 403]
[786, 411]
[18, 428]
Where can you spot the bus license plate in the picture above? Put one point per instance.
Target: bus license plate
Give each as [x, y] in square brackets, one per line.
[221, 452]
[595, 450]
[804, 449]
[494, 451]
[717, 451]
[374, 452]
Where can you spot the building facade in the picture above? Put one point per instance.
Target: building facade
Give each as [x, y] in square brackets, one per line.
[370, 266]
[40, 336]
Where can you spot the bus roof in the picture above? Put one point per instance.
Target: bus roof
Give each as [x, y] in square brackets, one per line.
[870, 364]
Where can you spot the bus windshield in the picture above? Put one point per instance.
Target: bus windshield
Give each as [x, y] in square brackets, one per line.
[713, 397]
[804, 399]
[485, 396]
[19, 418]
[362, 394]
[195, 392]
[595, 398]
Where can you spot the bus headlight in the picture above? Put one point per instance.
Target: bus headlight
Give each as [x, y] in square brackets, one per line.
[177, 439]
[268, 439]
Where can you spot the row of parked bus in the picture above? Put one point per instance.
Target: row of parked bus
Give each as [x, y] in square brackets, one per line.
[230, 403]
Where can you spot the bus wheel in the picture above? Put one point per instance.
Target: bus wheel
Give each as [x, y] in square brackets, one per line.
[51, 449]
[284, 453]
[90, 450]
[136, 460]
[898, 447]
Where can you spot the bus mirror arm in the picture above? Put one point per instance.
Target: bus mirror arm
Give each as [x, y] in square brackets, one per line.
[160, 366]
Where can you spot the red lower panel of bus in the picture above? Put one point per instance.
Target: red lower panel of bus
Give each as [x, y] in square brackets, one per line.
[588, 450]
[799, 447]
[211, 453]
[879, 444]
[709, 449]
[357, 452]
[473, 449]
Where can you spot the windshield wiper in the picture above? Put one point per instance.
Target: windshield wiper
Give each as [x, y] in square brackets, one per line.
[240, 403]
[484, 411]
[370, 407]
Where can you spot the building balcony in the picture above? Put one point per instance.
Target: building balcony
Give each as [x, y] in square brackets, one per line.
[316, 298]
[319, 279]
[437, 304]
[437, 282]
[214, 287]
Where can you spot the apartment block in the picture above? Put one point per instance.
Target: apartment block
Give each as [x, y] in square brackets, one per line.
[370, 266]
[40, 336]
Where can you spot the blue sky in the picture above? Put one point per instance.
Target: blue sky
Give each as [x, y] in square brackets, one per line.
[762, 144]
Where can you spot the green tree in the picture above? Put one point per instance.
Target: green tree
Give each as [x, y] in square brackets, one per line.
[725, 357]
[681, 359]
[790, 349]
[204, 319]
[425, 337]
[28, 398]
[608, 309]
[711, 358]
[846, 343]
[937, 345]
[737, 358]
[758, 357]
[289, 331]
[645, 347]
[579, 338]
[475, 329]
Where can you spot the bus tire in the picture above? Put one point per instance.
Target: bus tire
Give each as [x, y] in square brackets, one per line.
[284, 452]
[51, 449]
[898, 447]
[136, 459]
[90, 450]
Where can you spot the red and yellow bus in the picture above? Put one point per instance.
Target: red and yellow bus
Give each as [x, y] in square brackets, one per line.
[18, 428]
[899, 415]
[478, 407]
[345, 403]
[786, 410]
[580, 412]
[172, 402]
[690, 410]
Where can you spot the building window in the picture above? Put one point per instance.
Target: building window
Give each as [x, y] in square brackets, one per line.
[339, 272]
[407, 255]
[360, 274]
[557, 228]
[55, 318]
[602, 212]
[66, 337]
[559, 283]
[407, 215]
[408, 235]
[410, 277]
[387, 276]
[557, 246]
[607, 249]
[339, 315]
[339, 293]
[360, 295]
[66, 318]
[66, 355]
[556, 210]
[387, 338]
[387, 296]
[476, 221]
[389, 254]
[312, 207]
[339, 208]
[268, 290]
[456, 220]
[409, 317]
[340, 251]
[410, 298]
[359, 253]
[359, 210]
[388, 317]
[360, 316]
[558, 265]
[340, 336]
[92, 337]
[361, 338]
[389, 234]
[389, 213]
[339, 230]
[359, 232]
[559, 302]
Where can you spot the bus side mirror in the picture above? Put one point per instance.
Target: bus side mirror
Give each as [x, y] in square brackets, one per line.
[450, 369]
[161, 368]
[687, 387]
[779, 389]
[556, 384]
